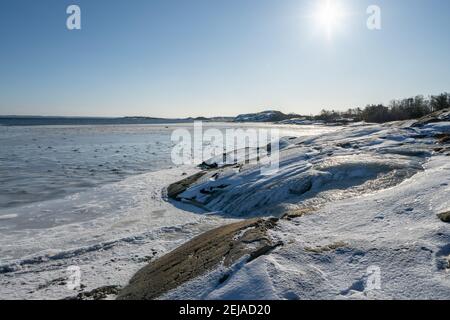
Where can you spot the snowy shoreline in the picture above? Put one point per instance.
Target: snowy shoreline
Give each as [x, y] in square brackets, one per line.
[367, 200]
[366, 195]
[108, 231]
[108, 249]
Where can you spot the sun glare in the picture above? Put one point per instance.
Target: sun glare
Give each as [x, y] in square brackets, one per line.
[329, 15]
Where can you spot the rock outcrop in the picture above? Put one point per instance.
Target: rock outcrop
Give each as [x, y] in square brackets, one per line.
[225, 245]
[179, 187]
[438, 116]
[444, 216]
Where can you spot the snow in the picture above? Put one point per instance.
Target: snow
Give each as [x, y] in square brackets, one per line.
[109, 231]
[120, 227]
[375, 191]
[382, 241]
[315, 169]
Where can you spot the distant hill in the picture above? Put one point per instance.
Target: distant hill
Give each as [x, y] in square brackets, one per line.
[265, 116]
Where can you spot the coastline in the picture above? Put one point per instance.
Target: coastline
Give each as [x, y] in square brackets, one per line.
[323, 251]
[107, 249]
[109, 230]
[389, 147]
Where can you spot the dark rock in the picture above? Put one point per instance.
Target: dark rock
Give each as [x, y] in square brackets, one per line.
[346, 145]
[224, 278]
[297, 213]
[176, 188]
[208, 166]
[444, 216]
[443, 138]
[263, 251]
[97, 294]
[225, 245]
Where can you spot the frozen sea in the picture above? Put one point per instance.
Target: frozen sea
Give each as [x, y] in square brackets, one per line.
[39, 163]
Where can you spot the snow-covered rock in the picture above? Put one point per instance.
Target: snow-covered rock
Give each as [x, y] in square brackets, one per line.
[265, 116]
[374, 195]
[357, 160]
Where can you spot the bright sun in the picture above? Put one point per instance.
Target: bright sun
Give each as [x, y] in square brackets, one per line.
[329, 15]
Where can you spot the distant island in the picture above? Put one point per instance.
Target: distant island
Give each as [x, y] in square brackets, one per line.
[55, 120]
[265, 116]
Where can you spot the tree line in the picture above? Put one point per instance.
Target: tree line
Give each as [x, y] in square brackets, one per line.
[404, 109]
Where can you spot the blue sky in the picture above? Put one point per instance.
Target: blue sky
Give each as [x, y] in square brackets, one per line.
[172, 58]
